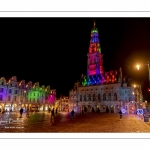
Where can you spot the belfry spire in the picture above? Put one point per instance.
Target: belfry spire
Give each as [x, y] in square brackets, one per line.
[94, 24]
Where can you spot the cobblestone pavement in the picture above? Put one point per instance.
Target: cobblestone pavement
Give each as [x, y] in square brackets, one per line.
[63, 123]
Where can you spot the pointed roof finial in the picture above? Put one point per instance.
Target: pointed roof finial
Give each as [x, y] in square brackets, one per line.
[94, 24]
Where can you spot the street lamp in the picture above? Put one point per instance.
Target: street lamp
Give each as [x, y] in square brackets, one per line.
[138, 67]
[148, 64]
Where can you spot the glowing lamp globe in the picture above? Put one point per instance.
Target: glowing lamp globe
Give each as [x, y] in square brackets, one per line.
[138, 67]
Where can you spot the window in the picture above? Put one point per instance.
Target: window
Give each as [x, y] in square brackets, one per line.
[9, 97]
[115, 96]
[94, 98]
[99, 97]
[84, 97]
[109, 96]
[1, 89]
[80, 97]
[10, 91]
[104, 97]
[16, 85]
[89, 97]
[10, 84]
[1, 98]
[15, 98]
[2, 83]
[15, 91]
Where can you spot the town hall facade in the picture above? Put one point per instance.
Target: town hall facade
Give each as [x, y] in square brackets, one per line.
[104, 91]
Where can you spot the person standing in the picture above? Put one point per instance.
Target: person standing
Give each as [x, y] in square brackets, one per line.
[21, 112]
[52, 114]
[120, 112]
[72, 113]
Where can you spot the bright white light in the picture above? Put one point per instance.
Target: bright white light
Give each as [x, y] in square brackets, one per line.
[138, 67]
[123, 111]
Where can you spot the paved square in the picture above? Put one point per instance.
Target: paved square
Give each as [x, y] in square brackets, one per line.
[63, 123]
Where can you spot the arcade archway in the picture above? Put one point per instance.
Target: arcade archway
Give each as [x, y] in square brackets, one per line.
[132, 107]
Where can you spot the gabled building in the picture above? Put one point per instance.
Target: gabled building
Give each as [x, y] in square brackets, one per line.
[14, 95]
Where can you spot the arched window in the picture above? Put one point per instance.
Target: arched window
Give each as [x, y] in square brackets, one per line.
[99, 97]
[104, 97]
[84, 97]
[94, 98]
[80, 97]
[109, 96]
[115, 97]
[89, 97]
[130, 99]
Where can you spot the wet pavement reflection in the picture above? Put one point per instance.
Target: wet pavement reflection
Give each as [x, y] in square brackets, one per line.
[64, 122]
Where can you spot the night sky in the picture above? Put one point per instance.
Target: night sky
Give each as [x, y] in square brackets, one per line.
[53, 51]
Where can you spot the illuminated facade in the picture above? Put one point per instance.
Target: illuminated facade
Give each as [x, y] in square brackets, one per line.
[106, 91]
[14, 95]
[64, 103]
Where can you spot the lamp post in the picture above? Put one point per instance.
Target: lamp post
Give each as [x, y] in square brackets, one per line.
[148, 65]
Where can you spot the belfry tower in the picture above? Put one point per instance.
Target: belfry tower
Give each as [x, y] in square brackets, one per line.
[95, 58]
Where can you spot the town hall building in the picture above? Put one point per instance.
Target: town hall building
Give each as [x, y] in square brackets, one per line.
[104, 91]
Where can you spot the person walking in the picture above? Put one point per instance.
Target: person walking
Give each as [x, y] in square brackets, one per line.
[72, 113]
[120, 112]
[21, 112]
